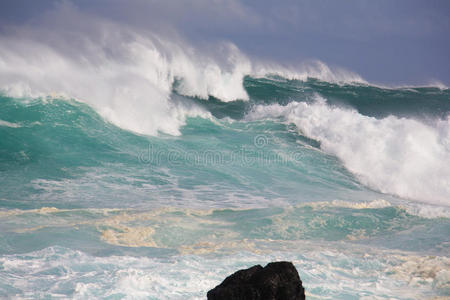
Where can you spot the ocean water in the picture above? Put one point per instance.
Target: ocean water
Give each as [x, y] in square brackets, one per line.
[101, 198]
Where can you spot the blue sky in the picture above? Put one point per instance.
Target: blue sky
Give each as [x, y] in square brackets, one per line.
[389, 42]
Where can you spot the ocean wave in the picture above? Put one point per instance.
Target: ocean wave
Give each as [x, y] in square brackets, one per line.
[393, 155]
[134, 79]
[128, 76]
[133, 86]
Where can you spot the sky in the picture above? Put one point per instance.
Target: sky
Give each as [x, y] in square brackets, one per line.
[389, 42]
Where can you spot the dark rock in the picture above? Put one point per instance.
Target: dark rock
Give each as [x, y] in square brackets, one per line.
[276, 281]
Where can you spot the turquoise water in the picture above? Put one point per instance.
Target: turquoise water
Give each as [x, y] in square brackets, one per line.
[350, 182]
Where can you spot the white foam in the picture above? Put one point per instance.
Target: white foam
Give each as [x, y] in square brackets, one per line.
[311, 69]
[378, 203]
[394, 155]
[325, 271]
[9, 124]
[427, 211]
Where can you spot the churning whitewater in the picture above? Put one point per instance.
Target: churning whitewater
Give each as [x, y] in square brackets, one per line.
[151, 168]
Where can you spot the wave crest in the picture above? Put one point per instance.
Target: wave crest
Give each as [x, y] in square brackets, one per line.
[394, 155]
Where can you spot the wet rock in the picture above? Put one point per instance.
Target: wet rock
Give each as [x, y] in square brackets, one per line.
[276, 281]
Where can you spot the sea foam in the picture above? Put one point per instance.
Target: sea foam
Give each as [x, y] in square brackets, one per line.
[62, 273]
[393, 155]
